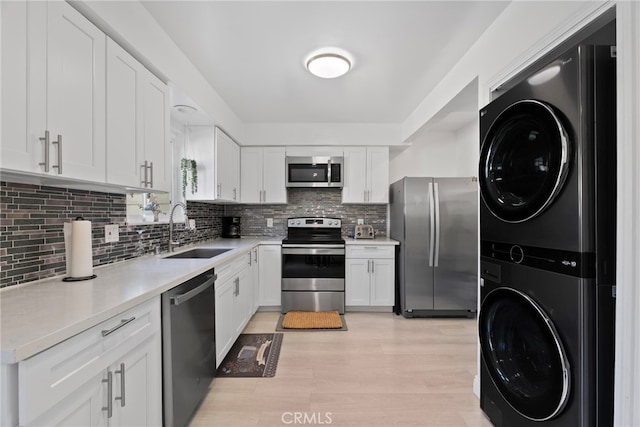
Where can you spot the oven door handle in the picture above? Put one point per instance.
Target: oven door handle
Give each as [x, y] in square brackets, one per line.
[312, 246]
[312, 251]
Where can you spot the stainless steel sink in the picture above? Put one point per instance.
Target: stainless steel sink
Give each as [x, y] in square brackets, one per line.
[200, 253]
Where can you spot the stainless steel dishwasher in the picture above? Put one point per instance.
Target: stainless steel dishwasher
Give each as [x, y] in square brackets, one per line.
[188, 347]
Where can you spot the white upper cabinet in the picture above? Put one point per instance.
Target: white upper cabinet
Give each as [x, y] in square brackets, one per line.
[366, 171]
[19, 151]
[137, 124]
[262, 176]
[218, 165]
[157, 149]
[227, 161]
[53, 81]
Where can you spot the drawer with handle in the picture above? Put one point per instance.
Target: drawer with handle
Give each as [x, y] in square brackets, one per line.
[46, 378]
[370, 251]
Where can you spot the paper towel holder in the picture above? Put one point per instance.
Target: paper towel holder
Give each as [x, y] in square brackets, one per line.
[79, 279]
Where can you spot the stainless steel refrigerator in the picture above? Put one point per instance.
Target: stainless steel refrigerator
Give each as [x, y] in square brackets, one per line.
[436, 222]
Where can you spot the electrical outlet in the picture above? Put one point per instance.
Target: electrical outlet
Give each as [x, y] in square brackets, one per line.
[192, 224]
[111, 233]
[360, 221]
[269, 222]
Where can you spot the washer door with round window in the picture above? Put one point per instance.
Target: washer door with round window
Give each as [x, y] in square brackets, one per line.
[523, 354]
[524, 161]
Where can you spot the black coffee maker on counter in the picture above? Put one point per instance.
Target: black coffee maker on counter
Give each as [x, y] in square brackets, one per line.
[231, 227]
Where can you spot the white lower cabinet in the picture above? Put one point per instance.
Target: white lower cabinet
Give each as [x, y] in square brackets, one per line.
[270, 275]
[109, 375]
[234, 295]
[369, 275]
[225, 294]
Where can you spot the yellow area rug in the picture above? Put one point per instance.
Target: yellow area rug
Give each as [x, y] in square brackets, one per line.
[312, 320]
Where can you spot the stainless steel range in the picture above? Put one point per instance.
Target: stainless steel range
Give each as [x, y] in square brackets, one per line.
[313, 263]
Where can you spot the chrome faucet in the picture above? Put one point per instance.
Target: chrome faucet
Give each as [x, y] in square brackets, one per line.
[173, 243]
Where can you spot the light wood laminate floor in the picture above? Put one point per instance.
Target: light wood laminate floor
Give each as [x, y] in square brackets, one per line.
[384, 371]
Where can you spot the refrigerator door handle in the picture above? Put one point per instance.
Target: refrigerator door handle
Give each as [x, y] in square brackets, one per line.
[432, 236]
[436, 195]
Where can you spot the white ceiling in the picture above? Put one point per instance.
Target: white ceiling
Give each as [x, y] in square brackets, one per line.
[253, 52]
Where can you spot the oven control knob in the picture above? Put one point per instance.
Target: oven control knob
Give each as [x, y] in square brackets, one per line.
[298, 222]
[330, 222]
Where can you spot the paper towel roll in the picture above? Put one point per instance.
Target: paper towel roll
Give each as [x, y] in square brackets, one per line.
[79, 250]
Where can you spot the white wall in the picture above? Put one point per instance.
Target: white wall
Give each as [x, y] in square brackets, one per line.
[322, 134]
[512, 36]
[438, 153]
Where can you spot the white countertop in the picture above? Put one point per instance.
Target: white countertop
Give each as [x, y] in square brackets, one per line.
[371, 242]
[38, 315]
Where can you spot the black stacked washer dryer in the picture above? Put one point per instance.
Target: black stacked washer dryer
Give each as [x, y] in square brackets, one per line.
[547, 228]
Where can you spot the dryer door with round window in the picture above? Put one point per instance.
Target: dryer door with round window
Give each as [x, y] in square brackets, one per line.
[523, 354]
[524, 161]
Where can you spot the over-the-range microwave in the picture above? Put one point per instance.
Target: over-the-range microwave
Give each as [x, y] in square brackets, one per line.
[315, 171]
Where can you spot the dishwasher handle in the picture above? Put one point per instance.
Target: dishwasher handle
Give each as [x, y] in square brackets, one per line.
[182, 298]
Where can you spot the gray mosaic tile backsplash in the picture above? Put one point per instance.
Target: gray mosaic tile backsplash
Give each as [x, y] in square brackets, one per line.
[307, 202]
[32, 218]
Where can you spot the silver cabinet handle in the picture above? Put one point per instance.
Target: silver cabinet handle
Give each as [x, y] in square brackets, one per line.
[373, 266]
[237, 283]
[143, 178]
[109, 407]
[234, 194]
[219, 189]
[123, 322]
[46, 151]
[59, 144]
[148, 171]
[250, 259]
[122, 385]
[255, 256]
[368, 266]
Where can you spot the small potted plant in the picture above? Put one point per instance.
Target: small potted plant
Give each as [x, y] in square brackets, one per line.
[189, 169]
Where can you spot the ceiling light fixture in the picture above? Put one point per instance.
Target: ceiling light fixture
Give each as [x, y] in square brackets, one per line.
[185, 109]
[328, 65]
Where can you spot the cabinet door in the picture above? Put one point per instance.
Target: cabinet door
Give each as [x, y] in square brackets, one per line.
[377, 175]
[234, 172]
[19, 149]
[241, 301]
[76, 55]
[155, 113]
[255, 270]
[357, 278]
[81, 409]
[142, 388]
[270, 275]
[227, 164]
[251, 174]
[382, 282]
[273, 175]
[355, 172]
[125, 151]
[224, 319]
